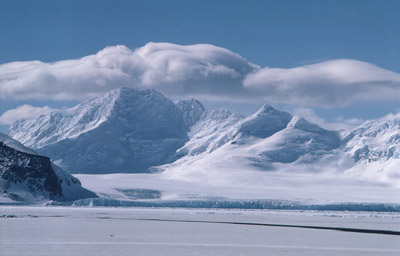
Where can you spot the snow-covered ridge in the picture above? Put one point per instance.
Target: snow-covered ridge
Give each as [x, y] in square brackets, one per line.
[214, 129]
[137, 128]
[374, 148]
[191, 110]
[375, 140]
[8, 141]
[62, 124]
[133, 130]
[28, 177]
[265, 122]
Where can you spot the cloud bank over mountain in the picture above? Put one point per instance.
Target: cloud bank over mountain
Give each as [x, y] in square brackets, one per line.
[25, 111]
[203, 71]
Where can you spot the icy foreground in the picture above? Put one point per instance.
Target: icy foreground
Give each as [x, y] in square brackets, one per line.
[30, 178]
[115, 231]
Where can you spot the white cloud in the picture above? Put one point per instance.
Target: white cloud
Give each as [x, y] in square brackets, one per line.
[331, 83]
[26, 112]
[202, 71]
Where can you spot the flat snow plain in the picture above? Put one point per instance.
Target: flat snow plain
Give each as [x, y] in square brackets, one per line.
[166, 231]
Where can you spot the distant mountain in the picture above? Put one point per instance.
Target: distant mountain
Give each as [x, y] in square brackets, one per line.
[126, 130]
[132, 130]
[269, 140]
[28, 177]
[272, 140]
[375, 148]
[191, 110]
[375, 140]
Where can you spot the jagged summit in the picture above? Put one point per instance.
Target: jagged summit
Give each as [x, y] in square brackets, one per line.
[192, 110]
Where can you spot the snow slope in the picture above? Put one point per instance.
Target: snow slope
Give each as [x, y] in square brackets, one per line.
[7, 141]
[126, 130]
[131, 130]
[222, 144]
[28, 177]
[213, 129]
[375, 148]
[272, 140]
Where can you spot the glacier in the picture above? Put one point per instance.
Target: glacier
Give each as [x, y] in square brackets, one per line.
[269, 204]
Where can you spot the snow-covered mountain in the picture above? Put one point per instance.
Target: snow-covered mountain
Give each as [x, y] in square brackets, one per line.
[126, 130]
[28, 177]
[272, 140]
[375, 148]
[132, 130]
[269, 140]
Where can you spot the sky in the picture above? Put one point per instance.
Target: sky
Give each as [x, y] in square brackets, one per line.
[334, 62]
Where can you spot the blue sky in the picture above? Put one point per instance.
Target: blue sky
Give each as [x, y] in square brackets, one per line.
[269, 33]
[277, 34]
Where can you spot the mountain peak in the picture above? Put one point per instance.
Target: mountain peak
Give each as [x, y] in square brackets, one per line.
[300, 123]
[191, 109]
[265, 122]
[127, 94]
[137, 128]
[265, 109]
[129, 91]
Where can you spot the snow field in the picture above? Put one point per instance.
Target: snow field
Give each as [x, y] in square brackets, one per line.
[133, 231]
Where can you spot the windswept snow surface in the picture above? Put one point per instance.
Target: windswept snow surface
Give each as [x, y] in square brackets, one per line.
[120, 231]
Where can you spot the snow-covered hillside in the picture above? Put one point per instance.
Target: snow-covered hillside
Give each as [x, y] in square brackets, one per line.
[223, 144]
[28, 177]
[132, 130]
[126, 130]
[375, 148]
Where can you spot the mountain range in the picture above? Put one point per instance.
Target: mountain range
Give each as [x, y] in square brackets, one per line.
[140, 130]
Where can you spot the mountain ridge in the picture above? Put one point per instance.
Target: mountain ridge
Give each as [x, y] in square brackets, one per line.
[143, 131]
[136, 128]
[28, 177]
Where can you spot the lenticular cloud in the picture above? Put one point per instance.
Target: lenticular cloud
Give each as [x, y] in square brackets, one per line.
[332, 83]
[203, 71]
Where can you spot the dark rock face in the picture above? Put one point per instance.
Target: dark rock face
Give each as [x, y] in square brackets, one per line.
[34, 171]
